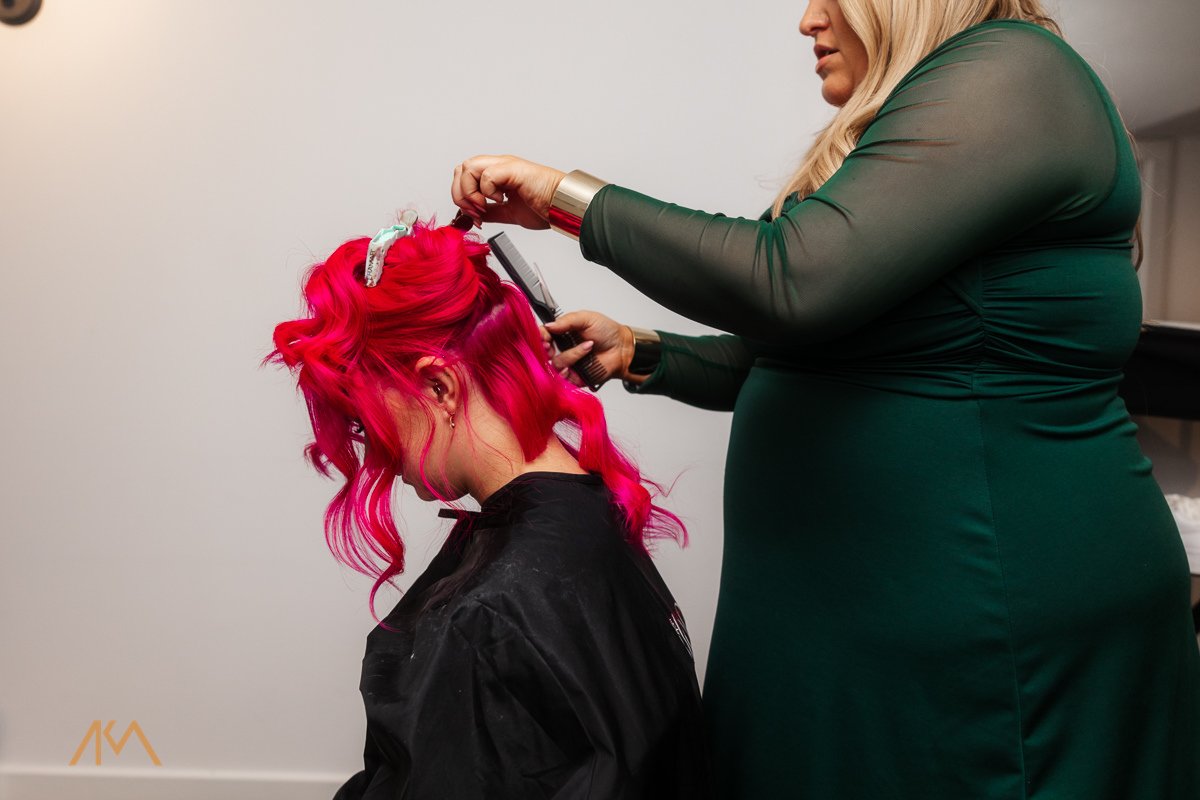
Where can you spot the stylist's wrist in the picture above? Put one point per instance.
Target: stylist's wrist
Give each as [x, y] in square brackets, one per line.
[628, 345]
[555, 182]
[532, 185]
[540, 183]
[647, 356]
[569, 203]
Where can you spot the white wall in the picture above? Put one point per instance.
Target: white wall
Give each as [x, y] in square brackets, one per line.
[1171, 166]
[167, 170]
[1144, 51]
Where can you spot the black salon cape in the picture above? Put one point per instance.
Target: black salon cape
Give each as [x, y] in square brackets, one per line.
[562, 671]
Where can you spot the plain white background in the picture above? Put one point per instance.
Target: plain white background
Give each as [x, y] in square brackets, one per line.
[167, 172]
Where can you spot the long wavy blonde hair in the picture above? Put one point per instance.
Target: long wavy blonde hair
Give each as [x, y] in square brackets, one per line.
[897, 34]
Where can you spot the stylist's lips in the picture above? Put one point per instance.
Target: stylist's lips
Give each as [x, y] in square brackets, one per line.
[823, 53]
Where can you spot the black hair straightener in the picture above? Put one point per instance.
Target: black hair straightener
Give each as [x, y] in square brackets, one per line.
[527, 279]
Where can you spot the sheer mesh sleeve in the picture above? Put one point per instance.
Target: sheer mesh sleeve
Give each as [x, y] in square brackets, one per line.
[1000, 129]
[702, 371]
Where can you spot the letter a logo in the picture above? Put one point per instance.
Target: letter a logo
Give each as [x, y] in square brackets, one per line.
[94, 732]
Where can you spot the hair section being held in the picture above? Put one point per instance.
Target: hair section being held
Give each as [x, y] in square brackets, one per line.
[436, 297]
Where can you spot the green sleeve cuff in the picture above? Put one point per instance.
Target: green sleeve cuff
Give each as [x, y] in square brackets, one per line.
[702, 371]
[654, 383]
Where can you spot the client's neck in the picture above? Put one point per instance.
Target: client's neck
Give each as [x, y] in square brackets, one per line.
[499, 459]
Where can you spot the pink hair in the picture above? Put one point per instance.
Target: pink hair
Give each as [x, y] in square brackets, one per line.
[436, 297]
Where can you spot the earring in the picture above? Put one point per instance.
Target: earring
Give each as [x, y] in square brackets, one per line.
[451, 420]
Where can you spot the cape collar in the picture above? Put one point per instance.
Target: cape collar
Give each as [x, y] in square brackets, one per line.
[512, 498]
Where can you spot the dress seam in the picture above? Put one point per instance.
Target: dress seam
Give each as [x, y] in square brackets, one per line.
[1004, 587]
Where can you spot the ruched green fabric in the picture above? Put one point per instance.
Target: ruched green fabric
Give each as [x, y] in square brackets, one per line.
[948, 569]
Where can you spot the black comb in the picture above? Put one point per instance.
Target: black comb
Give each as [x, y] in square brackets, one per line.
[527, 279]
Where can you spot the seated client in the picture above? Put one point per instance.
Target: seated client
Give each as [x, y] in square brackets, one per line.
[540, 654]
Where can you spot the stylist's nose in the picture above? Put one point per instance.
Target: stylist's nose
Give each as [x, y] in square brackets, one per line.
[814, 20]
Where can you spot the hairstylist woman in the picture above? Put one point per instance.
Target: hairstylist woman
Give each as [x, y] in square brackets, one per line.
[948, 571]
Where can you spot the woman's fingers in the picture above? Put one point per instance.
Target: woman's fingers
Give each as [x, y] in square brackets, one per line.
[602, 337]
[456, 192]
[488, 186]
[572, 376]
[571, 321]
[488, 178]
[505, 189]
[567, 358]
[612, 341]
[464, 187]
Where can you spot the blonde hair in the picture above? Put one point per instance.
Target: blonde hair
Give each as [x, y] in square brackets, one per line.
[896, 34]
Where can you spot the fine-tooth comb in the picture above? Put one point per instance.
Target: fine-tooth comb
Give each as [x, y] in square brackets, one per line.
[530, 282]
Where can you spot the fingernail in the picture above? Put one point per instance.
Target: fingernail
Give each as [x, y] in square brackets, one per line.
[587, 345]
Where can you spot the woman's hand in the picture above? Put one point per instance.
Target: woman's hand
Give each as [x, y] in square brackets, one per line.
[611, 342]
[505, 189]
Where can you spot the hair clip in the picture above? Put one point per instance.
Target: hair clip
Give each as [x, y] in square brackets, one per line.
[382, 242]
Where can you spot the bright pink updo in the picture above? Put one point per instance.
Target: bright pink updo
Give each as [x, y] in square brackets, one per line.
[437, 297]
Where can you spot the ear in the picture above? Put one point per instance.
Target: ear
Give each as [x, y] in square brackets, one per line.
[441, 384]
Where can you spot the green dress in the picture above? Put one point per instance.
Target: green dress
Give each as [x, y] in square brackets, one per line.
[948, 570]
